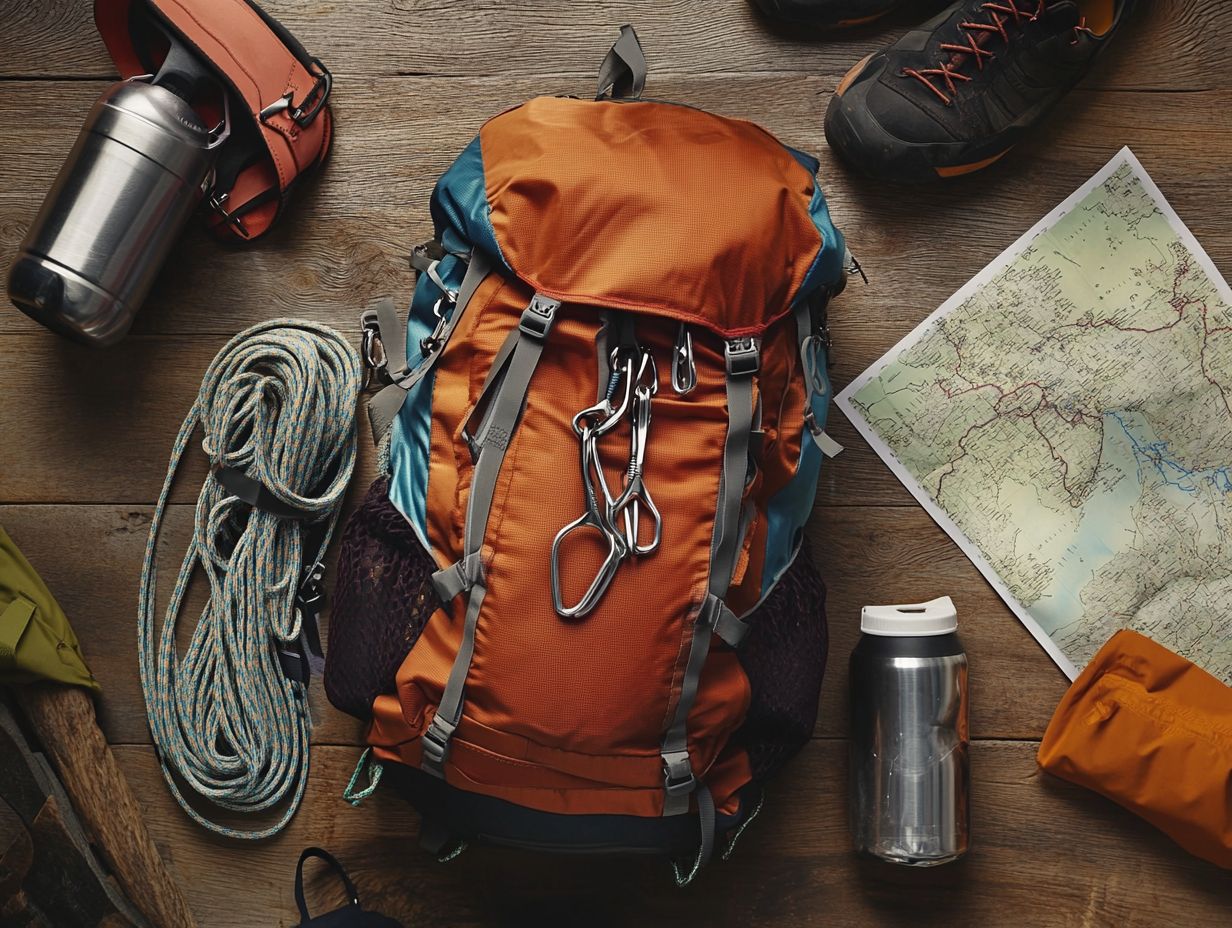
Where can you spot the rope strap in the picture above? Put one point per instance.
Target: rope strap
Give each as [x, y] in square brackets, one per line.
[278, 406]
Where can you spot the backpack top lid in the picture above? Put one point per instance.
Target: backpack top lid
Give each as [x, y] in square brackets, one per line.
[649, 207]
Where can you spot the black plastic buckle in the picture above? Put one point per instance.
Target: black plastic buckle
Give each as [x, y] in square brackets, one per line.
[311, 593]
[537, 317]
[423, 255]
[743, 357]
[299, 658]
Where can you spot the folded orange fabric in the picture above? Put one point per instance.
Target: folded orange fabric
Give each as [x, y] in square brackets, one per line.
[1153, 732]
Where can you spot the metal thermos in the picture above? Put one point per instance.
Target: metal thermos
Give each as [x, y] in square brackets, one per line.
[909, 735]
[137, 171]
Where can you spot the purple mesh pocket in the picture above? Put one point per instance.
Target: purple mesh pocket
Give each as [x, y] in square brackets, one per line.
[383, 598]
[784, 657]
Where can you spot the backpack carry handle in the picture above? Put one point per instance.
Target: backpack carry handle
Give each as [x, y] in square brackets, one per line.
[623, 72]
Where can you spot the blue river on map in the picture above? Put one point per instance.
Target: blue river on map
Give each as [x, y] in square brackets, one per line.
[1134, 459]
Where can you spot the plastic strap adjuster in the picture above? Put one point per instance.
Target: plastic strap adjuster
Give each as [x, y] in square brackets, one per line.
[538, 316]
[678, 779]
[743, 356]
[436, 741]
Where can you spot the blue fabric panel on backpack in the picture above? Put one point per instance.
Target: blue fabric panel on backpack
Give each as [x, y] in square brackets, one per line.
[461, 214]
[411, 437]
[789, 509]
[460, 207]
[827, 267]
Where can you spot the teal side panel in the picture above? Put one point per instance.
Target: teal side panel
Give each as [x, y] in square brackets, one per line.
[789, 509]
[410, 442]
[461, 215]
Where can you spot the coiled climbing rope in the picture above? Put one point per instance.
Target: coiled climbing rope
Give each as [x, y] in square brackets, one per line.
[277, 405]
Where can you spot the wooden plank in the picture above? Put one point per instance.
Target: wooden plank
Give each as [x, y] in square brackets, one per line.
[866, 554]
[917, 251]
[1173, 44]
[345, 239]
[1051, 853]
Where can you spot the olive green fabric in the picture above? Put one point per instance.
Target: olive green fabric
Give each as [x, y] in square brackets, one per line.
[36, 641]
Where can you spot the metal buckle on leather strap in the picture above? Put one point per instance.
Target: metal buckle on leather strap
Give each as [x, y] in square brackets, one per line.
[307, 110]
[218, 203]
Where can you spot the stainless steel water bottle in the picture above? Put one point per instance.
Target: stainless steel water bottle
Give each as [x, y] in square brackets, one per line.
[137, 171]
[909, 735]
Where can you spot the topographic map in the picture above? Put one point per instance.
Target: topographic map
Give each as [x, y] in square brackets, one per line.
[1067, 418]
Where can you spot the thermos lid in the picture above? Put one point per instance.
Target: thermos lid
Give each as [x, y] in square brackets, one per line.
[935, 617]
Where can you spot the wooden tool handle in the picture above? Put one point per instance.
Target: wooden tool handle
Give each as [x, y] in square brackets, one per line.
[66, 724]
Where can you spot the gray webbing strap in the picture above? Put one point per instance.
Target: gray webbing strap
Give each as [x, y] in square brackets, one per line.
[458, 577]
[385, 406]
[493, 441]
[705, 847]
[622, 75]
[743, 359]
[496, 369]
[805, 337]
[726, 624]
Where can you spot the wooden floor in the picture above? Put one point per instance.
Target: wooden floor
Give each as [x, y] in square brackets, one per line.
[84, 439]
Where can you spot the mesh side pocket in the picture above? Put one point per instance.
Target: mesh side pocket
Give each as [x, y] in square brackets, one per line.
[784, 657]
[383, 599]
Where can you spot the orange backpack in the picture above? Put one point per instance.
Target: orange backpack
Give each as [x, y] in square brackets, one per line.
[605, 428]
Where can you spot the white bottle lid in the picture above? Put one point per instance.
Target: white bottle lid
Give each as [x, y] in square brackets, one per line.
[935, 617]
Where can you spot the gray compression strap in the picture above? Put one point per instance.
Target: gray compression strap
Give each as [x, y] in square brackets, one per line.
[493, 441]
[742, 363]
[385, 406]
[623, 72]
[705, 848]
[490, 382]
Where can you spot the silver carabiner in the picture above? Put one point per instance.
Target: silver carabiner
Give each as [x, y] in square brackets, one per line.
[432, 342]
[684, 369]
[636, 496]
[595, 519]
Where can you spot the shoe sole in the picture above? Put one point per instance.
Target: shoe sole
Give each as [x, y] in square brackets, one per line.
[864, 145]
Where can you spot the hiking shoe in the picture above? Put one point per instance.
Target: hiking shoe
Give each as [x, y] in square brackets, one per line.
[955, 95]
[826, 14]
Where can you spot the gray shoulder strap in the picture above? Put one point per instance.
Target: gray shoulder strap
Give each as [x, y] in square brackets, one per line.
[623, 72]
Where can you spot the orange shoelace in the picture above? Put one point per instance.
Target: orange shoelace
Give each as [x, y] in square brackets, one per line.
[977, 35]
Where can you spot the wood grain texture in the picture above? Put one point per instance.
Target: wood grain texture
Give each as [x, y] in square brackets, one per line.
[1045, 854]
[84, 438]
[1178, 42]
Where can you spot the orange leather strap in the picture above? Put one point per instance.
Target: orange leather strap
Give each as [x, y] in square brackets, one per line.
[278, 88]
